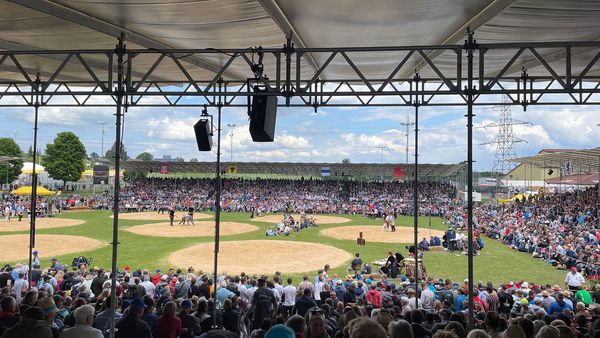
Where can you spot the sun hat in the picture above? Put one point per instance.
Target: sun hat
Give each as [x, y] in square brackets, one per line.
[48, 306]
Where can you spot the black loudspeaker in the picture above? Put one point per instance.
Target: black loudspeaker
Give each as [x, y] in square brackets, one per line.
[550, 172]
[203, 134]
[263, 116]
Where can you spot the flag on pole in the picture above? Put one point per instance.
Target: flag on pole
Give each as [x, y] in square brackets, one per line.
[325, 171]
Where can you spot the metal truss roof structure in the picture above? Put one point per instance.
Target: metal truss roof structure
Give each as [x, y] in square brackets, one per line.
[312, 53]
[177, 52]
[307, 169]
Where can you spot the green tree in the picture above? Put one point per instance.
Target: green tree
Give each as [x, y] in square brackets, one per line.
[10, 170]
[64, 159]
[145, 156]
[110, 153]
[346, 161]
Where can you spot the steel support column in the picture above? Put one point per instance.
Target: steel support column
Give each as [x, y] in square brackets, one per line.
[119, 94]
[33, 203]
[470, 46]
[416, 203]
[217, 212]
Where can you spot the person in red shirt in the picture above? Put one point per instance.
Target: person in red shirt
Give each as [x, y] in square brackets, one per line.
[156, 278]
[168, 324]
[374, 297]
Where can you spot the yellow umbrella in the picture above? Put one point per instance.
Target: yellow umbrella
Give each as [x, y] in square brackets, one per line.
[26, 190]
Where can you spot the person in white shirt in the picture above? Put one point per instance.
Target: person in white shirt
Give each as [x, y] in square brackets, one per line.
[84, 319]
[289, 299]
[148, 286]
[574, 280]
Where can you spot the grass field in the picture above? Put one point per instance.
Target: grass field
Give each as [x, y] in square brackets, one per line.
[496, 263]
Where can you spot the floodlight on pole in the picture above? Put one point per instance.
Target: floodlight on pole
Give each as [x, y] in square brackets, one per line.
[102, 123]
[407, 124]
[232, 126]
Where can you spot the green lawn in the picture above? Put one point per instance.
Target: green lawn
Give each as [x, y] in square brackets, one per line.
[496, 263]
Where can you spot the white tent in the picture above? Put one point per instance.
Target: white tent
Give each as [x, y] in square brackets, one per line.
[28, 168]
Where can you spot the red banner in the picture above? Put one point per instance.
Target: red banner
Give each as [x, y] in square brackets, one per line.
[164, 168]
[398, 172]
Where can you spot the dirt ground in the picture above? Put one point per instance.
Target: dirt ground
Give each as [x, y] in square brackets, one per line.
[40, 223]
[321, 219]
[201, 229]
[155, 216]
[375, 234]
[261, 256]
[17, 246]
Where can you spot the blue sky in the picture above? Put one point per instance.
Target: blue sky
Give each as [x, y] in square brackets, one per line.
[330, 135]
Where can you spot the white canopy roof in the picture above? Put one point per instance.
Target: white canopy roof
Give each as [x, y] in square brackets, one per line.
[91, 24]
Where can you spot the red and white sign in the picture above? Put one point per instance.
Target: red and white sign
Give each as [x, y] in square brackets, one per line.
[164, 168]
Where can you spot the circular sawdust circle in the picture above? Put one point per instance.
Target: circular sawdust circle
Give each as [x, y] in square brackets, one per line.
[373, 233]
[321, 219]
[40, 223]
[201, 229]
[155, 216]
[17, 246]
[261, 256]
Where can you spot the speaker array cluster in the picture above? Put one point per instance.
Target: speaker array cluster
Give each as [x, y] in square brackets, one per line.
[263, 115]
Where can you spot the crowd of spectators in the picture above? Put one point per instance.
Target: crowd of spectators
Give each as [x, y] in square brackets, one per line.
[282, 195]
[177, 303]
[561, 229]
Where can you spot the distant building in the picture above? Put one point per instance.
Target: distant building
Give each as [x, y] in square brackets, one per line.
[526, 172]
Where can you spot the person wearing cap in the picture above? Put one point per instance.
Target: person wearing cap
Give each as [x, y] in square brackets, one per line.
[156, 277]
[36, 258]
[547, 300]
[132, 325]
[32, 325]
[574, 280]
[50, 310]
[190, 325]
[84, 318]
